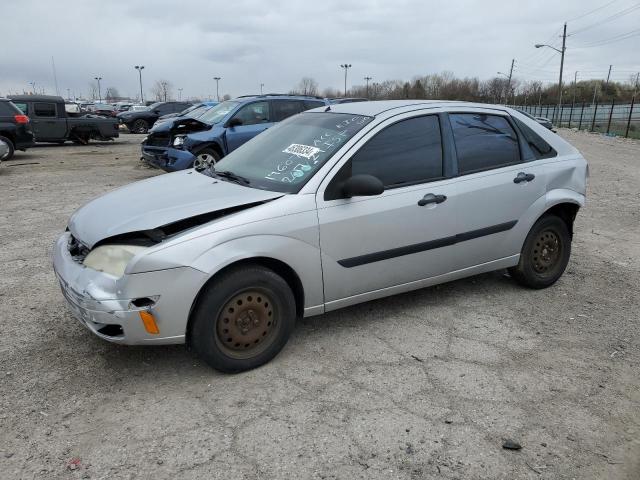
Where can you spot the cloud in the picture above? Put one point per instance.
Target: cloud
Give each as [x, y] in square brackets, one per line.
[248, 42]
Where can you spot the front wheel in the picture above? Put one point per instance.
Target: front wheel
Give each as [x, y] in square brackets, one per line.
[140, 126]
[206, 158]
[243, 319]
[545, 253]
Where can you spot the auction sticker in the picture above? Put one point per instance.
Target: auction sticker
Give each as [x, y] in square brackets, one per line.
[305, 151]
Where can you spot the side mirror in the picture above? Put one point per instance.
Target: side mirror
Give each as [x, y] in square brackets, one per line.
[234, 122]
[362, 185]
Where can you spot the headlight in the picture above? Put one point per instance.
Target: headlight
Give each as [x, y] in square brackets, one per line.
[112, 259]
[179, 140]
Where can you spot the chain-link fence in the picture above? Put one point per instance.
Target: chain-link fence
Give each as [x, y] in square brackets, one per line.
[605, 117]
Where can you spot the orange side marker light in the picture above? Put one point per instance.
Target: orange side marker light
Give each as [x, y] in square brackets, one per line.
[149, 322]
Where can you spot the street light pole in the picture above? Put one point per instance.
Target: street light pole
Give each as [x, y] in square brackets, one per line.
[217, 79]
[180, 94]
[367, 80]
[346, 67]
[99, 92]
[139, 68]
[261, 87]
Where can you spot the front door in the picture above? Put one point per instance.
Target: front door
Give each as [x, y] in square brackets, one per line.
[253, 119]
[401, 236]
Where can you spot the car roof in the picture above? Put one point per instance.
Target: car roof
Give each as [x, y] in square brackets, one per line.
[377, 108]
[36, 98]
[281, 96]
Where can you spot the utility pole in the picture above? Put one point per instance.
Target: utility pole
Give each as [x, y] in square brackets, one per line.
[261, 87]
[564, 47]
[99, 91]
[346, 67]
[180, 94]
[635, 86]
[139, 68]
[575, 83]
[606, 84]
[367, 80]
[513, 60]
[33, 85]
[217, 79]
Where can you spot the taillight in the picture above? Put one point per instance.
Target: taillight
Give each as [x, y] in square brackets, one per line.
[21, 119]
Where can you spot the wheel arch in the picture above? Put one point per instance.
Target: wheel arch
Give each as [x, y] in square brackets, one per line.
[213, 145]
[281, 268]
[566, 211]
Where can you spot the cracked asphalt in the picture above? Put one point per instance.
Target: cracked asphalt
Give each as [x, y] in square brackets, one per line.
[418, 386]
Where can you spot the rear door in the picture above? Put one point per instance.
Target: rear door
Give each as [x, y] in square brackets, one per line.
[254, 118]
[496, 186]
[46, 123]
[401, 236]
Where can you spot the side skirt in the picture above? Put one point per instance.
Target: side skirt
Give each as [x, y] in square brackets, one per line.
[427, 282]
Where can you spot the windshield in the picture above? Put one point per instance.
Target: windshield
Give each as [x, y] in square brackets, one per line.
[287, 155]
[197, 112]
[217, 113]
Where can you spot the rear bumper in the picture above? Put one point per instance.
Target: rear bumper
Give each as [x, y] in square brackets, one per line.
[103, 303]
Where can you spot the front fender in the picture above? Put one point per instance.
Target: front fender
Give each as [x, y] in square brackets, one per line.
[303, 258]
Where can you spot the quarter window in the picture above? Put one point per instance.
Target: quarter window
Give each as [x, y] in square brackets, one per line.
[483, 142]
[253, 113]
[44, 109]
[406, 152]
[285, 108]
[539, 147]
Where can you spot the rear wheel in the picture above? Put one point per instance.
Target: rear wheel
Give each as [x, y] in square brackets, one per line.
[243, 319]
[7, 149]
[205, 158]
[140, 126]
[545, 253]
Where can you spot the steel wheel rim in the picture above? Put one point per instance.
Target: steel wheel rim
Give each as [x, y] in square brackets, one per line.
[247, 324]
[3, 143]
[204, 160]
[547, 252]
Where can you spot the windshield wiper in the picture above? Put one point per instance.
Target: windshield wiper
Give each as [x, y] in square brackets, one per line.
[230, 176]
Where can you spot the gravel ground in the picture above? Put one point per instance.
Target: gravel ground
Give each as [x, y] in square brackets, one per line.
[422, 385]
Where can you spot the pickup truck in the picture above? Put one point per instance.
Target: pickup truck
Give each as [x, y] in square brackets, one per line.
[52, 123]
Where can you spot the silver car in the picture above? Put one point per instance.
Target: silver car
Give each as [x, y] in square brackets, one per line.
[332, 207]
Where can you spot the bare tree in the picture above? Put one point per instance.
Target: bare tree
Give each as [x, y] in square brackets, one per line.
[93, 90]
[307, 86]
[111, 94]
[162, 90]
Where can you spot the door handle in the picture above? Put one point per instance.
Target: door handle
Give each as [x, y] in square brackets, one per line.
[524, 177]
[431, 198]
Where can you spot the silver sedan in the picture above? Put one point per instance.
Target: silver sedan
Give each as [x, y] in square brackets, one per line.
[332, 207]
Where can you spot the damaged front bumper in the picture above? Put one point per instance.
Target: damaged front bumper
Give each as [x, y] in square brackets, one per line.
[168, 159]
[110, 307]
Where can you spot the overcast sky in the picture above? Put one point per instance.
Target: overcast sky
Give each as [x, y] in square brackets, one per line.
[277, 42]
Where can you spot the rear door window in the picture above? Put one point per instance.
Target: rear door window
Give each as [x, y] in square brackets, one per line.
[41, 109]
[484, 142]
[285, 108]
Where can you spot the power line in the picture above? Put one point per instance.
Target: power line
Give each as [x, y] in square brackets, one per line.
[610, 18]
[591, 11]
[615, 38]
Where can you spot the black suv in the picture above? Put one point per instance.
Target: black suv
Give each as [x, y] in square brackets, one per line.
[15, 130]
[142, 120]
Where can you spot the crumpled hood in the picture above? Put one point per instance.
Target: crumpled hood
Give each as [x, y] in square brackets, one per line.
[157, 202]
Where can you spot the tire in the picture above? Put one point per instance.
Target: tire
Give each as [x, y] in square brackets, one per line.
[9, 154]
[205, 158]
[140, 126]
[243, 319]
[545, 253]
